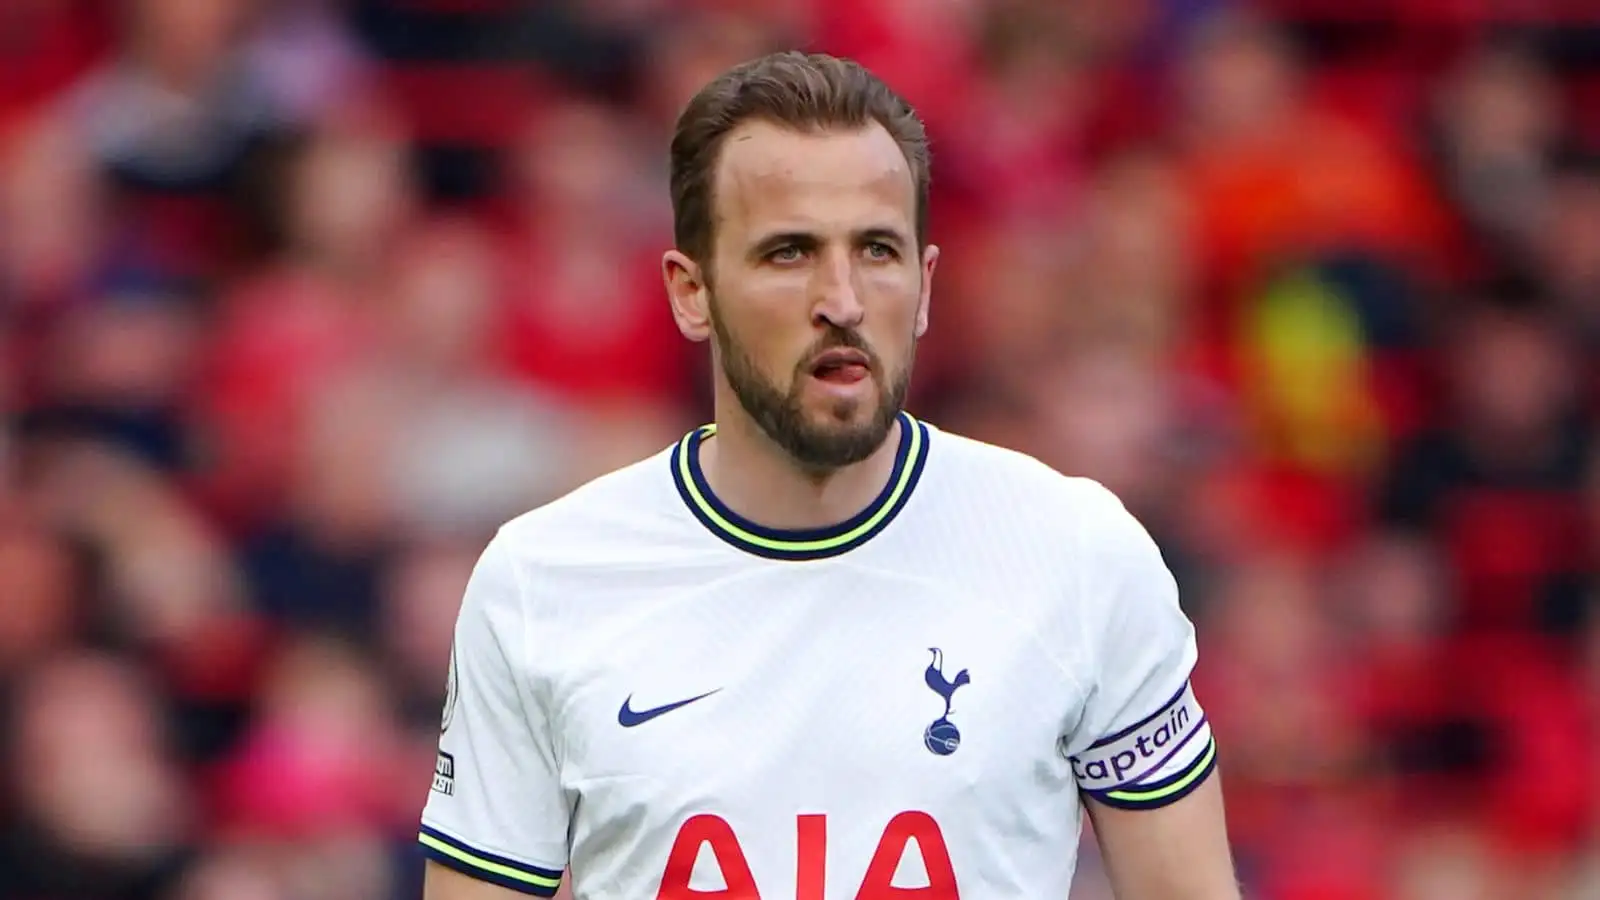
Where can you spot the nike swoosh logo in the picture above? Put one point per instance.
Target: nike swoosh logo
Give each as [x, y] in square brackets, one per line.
[628, 717]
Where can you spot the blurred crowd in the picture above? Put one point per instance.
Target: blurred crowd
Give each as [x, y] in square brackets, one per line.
[299, 299]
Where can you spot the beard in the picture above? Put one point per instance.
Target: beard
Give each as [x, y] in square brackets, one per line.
[820, 442]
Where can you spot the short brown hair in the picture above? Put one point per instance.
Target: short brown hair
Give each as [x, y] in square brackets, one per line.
[803, 91]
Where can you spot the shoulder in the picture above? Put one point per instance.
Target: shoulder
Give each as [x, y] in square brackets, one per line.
[1019, 515]
[1061, 552]
[634, 507]
[1004, 483]
[552, 570]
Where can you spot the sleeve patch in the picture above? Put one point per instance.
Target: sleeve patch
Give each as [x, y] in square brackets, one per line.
[444, 774]
[485, 866]
[1168, 790]
[1174, 737]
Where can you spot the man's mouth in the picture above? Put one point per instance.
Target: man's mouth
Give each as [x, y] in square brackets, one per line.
[841, 365]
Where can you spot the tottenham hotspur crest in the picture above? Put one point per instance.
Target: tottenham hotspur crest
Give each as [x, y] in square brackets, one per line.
[941, 737]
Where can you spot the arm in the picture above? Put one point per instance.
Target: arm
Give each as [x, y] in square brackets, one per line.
[495, 824]
[1177, 852]
[1143, 752]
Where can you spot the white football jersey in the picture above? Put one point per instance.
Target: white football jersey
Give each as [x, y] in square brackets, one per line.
[666, 700]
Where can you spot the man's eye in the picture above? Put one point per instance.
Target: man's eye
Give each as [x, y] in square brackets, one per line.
[787, 254]
[880, 250]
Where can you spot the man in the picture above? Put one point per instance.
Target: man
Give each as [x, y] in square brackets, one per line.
[819, 649]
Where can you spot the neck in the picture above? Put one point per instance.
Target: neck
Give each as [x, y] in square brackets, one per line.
[760, 481]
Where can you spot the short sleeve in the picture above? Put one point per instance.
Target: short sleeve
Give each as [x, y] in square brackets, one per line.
[1142, 740]
[496, 810]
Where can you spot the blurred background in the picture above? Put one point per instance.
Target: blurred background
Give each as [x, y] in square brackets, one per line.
[300, 299]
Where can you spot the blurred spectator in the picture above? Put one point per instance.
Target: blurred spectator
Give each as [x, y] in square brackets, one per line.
[341, 205]
[39, 579]
[54, 217]
[101, 809]
[1276, 175]
[1110, 416]
[154, 579]
[1496, 476]
[119, 370]
[1133, 259]
[468, 450]
[314, 784]
[690, 49]
[304, 57]
[1568, 255]
[231, 875]
[584, 316]
[1497, 125]
[1021, 150]
[1457, 863]
[176, 109]
[315, 761]
[172, 119]
[421, 598]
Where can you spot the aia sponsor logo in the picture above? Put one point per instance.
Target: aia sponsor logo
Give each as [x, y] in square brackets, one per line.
[710, 837]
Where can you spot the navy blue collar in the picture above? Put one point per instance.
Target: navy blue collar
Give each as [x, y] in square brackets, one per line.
[800, 544]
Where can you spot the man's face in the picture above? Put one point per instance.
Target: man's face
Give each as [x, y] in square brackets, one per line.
[819, 291]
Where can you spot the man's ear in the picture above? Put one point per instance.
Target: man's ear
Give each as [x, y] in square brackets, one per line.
[930, 261]
[688, 293]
